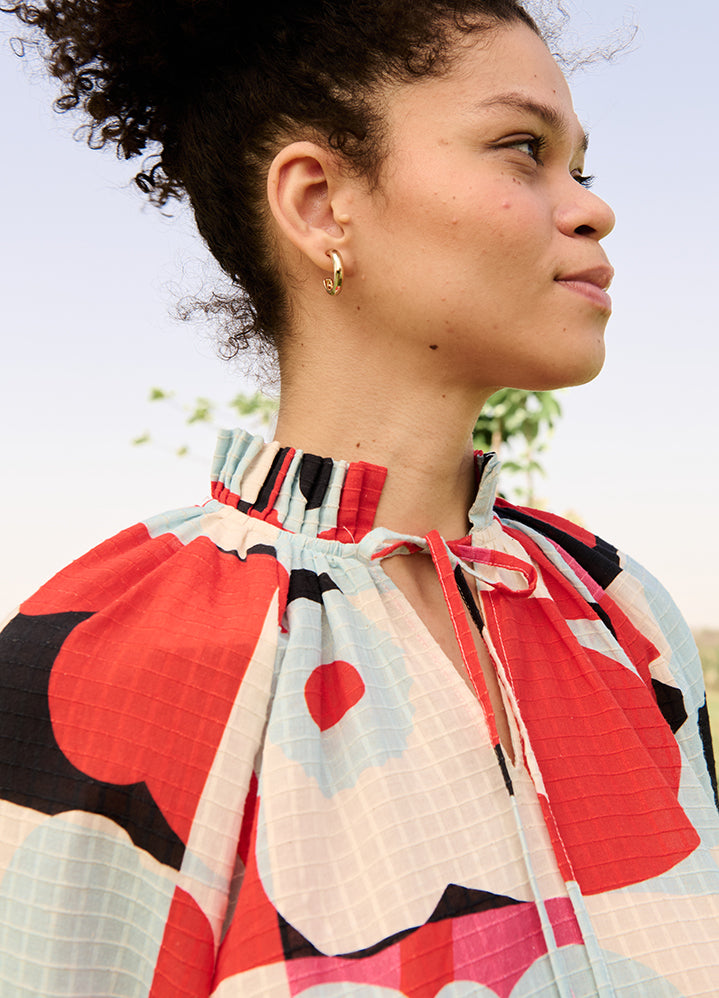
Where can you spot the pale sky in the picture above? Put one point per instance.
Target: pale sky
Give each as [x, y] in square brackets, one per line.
[89, 278]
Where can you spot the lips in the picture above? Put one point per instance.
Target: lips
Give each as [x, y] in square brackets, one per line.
[601, 277]
[591, 283]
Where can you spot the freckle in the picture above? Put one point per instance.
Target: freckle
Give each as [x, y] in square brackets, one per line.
[358, 308]
[443, 395]
[358, 443]
[433, 346]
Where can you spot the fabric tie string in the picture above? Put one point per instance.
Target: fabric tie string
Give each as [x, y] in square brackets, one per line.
[468, 556]
[495, 559]
[445, 574]
[446, 556]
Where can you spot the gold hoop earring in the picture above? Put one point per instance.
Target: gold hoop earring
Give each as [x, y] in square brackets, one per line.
[333, 285]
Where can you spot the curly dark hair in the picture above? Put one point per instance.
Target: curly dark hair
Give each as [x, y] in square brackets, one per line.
[212, 87]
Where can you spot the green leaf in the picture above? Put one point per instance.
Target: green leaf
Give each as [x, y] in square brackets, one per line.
[523, 421]
[202, 412]
[257, 404]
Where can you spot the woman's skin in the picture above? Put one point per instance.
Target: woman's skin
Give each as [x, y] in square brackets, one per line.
[458, 271]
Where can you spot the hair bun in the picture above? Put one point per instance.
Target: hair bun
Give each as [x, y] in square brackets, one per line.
[134, 60]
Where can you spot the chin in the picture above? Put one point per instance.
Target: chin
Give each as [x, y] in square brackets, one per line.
[580, 369]
[590, 369]
[580, 372]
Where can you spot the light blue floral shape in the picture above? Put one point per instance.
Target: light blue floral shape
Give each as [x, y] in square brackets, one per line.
[80, 916]
[186, 523]
[375, 729]
[629, 979]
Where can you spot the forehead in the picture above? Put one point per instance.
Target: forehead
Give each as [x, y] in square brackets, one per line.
[492, 70]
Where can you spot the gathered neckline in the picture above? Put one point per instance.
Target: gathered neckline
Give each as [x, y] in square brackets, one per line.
[317, 496]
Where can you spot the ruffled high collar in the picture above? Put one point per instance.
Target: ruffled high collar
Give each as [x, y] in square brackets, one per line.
[316, 496]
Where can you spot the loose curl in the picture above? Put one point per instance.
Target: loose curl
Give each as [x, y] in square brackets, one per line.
[213, 93]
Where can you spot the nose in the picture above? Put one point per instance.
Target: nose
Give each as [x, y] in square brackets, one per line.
[586, 214]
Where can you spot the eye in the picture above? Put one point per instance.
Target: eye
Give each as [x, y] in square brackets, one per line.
[533, 145]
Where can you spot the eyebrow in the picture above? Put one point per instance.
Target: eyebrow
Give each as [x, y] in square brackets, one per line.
[550, 115]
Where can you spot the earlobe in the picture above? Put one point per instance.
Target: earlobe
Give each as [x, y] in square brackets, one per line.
[300, 183]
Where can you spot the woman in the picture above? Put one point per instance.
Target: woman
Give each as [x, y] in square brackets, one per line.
[355, 726]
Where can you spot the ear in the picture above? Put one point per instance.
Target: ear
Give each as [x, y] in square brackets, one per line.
[304, 190]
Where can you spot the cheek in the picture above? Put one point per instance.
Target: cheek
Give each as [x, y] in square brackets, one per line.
[432, 201]
[446, 233]
[516, 218]
[517, 240]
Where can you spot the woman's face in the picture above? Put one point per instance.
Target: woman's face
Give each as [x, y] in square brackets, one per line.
[480, 249]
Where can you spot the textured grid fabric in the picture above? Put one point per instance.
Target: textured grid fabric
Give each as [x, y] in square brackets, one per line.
[234, 762]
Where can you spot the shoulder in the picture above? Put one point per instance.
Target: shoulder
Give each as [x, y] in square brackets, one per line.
[636, 591]
[181, 552]
[166, 608]
[183, 588]
[595, 556]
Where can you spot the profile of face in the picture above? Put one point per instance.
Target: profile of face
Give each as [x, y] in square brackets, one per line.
[478, 256]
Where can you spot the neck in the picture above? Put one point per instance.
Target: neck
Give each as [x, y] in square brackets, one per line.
[419, 428]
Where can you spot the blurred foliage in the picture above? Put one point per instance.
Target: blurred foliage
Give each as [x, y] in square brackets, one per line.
[517, 426]
[257, 409]
[708, 644]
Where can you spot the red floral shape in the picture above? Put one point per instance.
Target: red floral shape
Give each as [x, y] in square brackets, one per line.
[142, 690]
[253, 938]
[186, 959]
[331, 691]
[609, 762]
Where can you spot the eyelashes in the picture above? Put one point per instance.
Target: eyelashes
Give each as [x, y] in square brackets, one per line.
[537, 145]
[584, 181]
